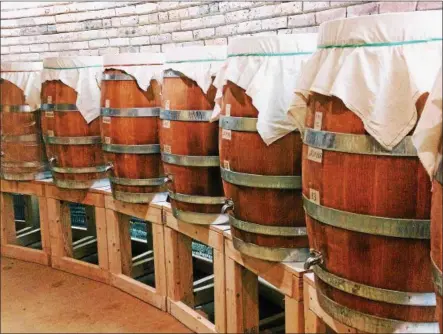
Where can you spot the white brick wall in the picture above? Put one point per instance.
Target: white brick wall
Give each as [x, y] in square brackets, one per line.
[33, 32]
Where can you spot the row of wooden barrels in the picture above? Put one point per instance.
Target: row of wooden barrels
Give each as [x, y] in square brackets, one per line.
[144, 140]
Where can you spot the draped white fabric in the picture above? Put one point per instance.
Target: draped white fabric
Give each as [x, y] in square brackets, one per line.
[82, 74]
[144, 67]
[266, 67]
[378, 66]
[27, 77]
[198, 63]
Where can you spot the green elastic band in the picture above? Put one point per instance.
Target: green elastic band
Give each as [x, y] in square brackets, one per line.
[70, 68]
[269, 54]
[417, 41]
[193, 61]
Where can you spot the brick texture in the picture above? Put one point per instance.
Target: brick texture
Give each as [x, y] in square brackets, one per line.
[32, 32]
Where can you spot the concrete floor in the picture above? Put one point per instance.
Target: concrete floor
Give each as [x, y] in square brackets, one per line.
[37, 298]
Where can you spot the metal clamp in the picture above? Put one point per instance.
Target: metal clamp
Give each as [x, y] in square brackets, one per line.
[90, 140]
[199, 218]
[132, 149]
[191, 160]
[315, 259]
[229, 205]
[59, 107]
[276, 230]
[152, 182]
[172, 74]
[20, 138]
[246, 124]
[194, 199]
[16, 108]
[117, 77]
[186, 115]
[261, 181]
[130, 112]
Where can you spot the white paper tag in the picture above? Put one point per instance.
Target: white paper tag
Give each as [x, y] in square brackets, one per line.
[228, 110]
[318, 120]
[49, 114]
[106, 119]
[167, 104]
[50, 133]
[49, 99]
[226, 134]
[166, 123]
[314, 195]
[107, 103]
[167, 149]
[315, 154]
[226, 165]
[107, 140]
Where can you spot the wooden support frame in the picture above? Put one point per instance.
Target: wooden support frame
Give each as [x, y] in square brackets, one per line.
[242, 294]
[11, 245]
[178, 238]
[120, 254]
[317, 320]
[62, 249]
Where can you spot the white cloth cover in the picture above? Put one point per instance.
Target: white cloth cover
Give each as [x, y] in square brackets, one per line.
[378, 66]
[427, 137]
[198, 63]
[82, 74]
[26, 76]
[266, 67]
[142, 66]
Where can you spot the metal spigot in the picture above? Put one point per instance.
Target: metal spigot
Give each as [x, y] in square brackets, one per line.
[51, 160]
[229, 204]
[315, 258]
[109, 167]
[168, 179]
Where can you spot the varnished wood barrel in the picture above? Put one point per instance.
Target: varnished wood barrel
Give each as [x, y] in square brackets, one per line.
[22, 151]
[189, 143]
[436, 241]
[73, 146]
[129, 127]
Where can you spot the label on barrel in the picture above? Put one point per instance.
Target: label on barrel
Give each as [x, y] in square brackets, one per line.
[49, 114]
[318, 120]
[314, 195]
[50, 133]
[106, 119]
[315, 154]
[166, 123]
[107, 103]
[167, 149]
[49, 99]
[107, 140]
[228, 110]
[167, 104]
[226, 134]
[226, 165]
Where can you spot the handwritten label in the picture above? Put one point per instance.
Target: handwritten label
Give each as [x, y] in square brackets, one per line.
[107, 140]
[107, 103]
[166, 123]
[49, 114]
[314, 195]
[50, 133]
[106, 119]
[167, 104]
[226, 134]
[315, 154]
[167, 149]
[226, 165]
[49, 99]
[228, 110]
[318, 120]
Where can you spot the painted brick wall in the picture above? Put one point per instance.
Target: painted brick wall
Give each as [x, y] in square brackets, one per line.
[97, 28]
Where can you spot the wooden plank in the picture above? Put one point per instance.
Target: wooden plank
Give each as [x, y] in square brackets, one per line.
[102, 237]
[190, 318]
[25, 188]
[112, 226]
[219, 290]
[76, 196]
[125, 244]
[241, 299]
[8, 235]
[65, 229]
[179, 267]
[158, 238]
[151, 212]
[57, 245]
[294, 316]
[26, 254]
[81, 268]
[139, 290]
[44, 225]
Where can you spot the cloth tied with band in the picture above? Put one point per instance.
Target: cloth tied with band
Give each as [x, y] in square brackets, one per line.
[427, 137]
[144, 67]
[378, 66]
[27, 77]
[198, 63]
[266, 67]
[83, 74]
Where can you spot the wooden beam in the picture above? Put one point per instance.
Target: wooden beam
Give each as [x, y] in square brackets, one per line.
[125, 244]
[158, 239]
[8, 235]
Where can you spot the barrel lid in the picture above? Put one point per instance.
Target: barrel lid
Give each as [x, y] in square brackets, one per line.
[72, 62]
[122, 59]
[272, 45]
[193, 54]
[21, 66]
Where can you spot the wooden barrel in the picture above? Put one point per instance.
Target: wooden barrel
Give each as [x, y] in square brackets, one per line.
[129, 127]
[73, 146]
[436, 241]
[22, 151]
[189, 144]
[367, 212]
